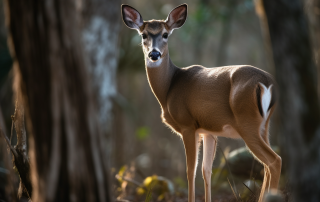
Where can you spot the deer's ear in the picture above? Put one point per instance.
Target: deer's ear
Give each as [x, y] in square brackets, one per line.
[177, 17]
[131, 17]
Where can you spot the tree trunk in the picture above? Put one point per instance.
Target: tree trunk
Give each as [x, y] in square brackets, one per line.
[313, 12]
[68, 160]
[316, 13]
[226, 33]
[298, 104]
[100, 37]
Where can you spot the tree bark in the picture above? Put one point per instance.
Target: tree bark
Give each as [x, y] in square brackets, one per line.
[296, 74]
[68, 161]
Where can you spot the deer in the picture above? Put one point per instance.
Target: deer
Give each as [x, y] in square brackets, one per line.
[200, 103]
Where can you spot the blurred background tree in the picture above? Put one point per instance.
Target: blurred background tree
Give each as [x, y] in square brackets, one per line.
[296, 75]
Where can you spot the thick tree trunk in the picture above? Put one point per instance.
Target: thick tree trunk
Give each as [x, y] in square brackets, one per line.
[296, 75]
[68, 162]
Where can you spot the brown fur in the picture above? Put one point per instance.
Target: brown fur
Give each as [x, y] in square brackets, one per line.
[209, 102]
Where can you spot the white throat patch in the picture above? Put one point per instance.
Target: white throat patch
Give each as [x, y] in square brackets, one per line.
[149, 63]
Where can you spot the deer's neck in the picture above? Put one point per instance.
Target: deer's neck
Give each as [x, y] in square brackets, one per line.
[160, 74]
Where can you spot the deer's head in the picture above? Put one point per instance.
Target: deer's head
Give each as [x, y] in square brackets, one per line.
[154, 33]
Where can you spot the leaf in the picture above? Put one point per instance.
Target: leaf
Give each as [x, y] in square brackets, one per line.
[147, 182]
[142, 133]
[121, 172]
[149, 194]
[140, 190]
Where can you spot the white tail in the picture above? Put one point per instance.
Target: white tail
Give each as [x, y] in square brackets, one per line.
[231, 101]
[266, 99]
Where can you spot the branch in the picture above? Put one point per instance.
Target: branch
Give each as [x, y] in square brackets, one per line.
[21, 161]
[14, 152]
[128, 180]
[23, 167]
[20, 158]
[18, 120]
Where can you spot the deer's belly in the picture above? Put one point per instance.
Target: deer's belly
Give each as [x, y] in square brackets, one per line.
[227, 131]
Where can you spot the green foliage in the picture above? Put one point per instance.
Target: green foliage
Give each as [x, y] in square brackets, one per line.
[180, 182]
[142, 133]
[202, 14]
[149, 195]
[220, 173]
[131, 55]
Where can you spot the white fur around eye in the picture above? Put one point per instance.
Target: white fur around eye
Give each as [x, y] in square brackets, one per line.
[165, 32]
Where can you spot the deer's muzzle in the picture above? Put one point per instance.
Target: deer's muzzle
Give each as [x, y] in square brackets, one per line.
[154, 55]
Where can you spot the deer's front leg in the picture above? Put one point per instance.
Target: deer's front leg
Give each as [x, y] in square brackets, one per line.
[190, 140]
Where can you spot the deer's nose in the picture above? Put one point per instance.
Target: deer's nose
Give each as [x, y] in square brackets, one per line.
[154, 55]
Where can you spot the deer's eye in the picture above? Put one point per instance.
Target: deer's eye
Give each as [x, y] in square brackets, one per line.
[144, 36]
[165, 35]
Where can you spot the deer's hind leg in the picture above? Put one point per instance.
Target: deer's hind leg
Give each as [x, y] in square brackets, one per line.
[262, 152]
[209, 150]
[250, 119]
[264, 127]
[264, 131]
